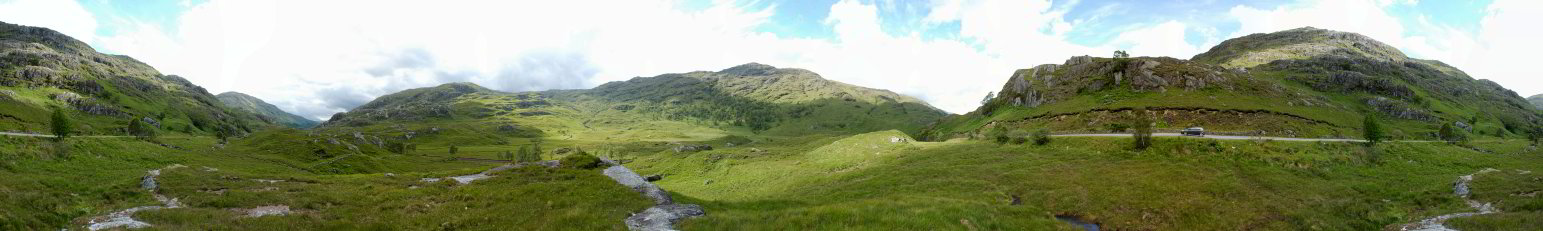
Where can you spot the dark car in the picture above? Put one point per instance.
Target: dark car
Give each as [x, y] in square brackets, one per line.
[1193, 131]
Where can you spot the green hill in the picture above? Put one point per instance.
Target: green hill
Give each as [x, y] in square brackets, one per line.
[1297, 83]
[41, 69]
[267, 111]
[746, 99]
[1537, 101]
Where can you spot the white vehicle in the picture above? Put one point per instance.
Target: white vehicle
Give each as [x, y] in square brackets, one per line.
[1193, 131]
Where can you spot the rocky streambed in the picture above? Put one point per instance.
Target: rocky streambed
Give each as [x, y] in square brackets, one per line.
[125, 218]
[1461, 189]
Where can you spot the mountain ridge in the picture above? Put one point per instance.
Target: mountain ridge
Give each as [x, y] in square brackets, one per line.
[1300, 82]
[42, 69]
[257, 106]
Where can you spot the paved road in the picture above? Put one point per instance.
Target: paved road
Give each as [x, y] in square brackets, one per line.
[51, 136]
[1231, 137]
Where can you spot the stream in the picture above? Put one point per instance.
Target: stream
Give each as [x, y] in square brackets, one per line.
[125, 218]
[1074, 220]
[1461, 189]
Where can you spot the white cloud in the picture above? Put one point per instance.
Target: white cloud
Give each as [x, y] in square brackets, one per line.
[1508, 39]
[307, 57]
[67, 17]
[1363, 17]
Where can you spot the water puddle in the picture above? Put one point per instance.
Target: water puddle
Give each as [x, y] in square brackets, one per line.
[1074, 220]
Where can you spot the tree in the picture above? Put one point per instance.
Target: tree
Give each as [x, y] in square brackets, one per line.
[1372, 130]
[1451, 134]
[1536, 135]
[222, 132]
[1120, 54]
[61, 124]
[139, 129]
[1018, 136]
[1142, 129]
[989, 96]
[453, 149]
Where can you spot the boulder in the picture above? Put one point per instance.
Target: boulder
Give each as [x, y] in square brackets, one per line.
[1464, 126]
[662, 217]
[151, 121]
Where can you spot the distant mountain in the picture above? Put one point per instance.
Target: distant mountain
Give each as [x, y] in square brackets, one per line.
[1537, 101]
[1299, 82]
[272, 113]
[41, 69]
[754, 97]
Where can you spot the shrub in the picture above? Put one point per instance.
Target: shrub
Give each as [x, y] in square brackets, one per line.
[999, 134]
[582, 160]
[1117, 127]
[1040, 136]
[1142, 129]
[453, 149]
[1018, 136]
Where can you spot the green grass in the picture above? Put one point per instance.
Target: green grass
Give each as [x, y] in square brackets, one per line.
[1178, 184]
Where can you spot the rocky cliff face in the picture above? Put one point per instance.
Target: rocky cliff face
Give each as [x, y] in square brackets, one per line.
[44, 69]
[257, 106]
[1050, 83]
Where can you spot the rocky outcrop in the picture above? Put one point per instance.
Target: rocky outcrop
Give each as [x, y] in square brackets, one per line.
[87, 105]
[692, 148]
[1397, 109]
[1142, 77]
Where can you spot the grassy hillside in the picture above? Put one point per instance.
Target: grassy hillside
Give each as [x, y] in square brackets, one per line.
[872, 182]
[42, 70]
[1295, 83]
[267, 111]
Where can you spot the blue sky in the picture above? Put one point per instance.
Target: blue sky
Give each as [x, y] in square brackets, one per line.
[321, 57]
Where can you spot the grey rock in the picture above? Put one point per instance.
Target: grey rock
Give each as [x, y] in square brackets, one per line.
[1464, 126]
[1078, 60]
[692, 148]
[662, 217]
[151, 121]
[625, 176]
[1398, 109]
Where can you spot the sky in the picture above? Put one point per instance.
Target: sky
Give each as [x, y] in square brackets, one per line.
[316, 58]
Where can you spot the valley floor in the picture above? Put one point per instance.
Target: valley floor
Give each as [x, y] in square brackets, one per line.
[873, 181]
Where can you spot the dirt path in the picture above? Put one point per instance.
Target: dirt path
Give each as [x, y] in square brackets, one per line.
[1461, 189]
[51, 136]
